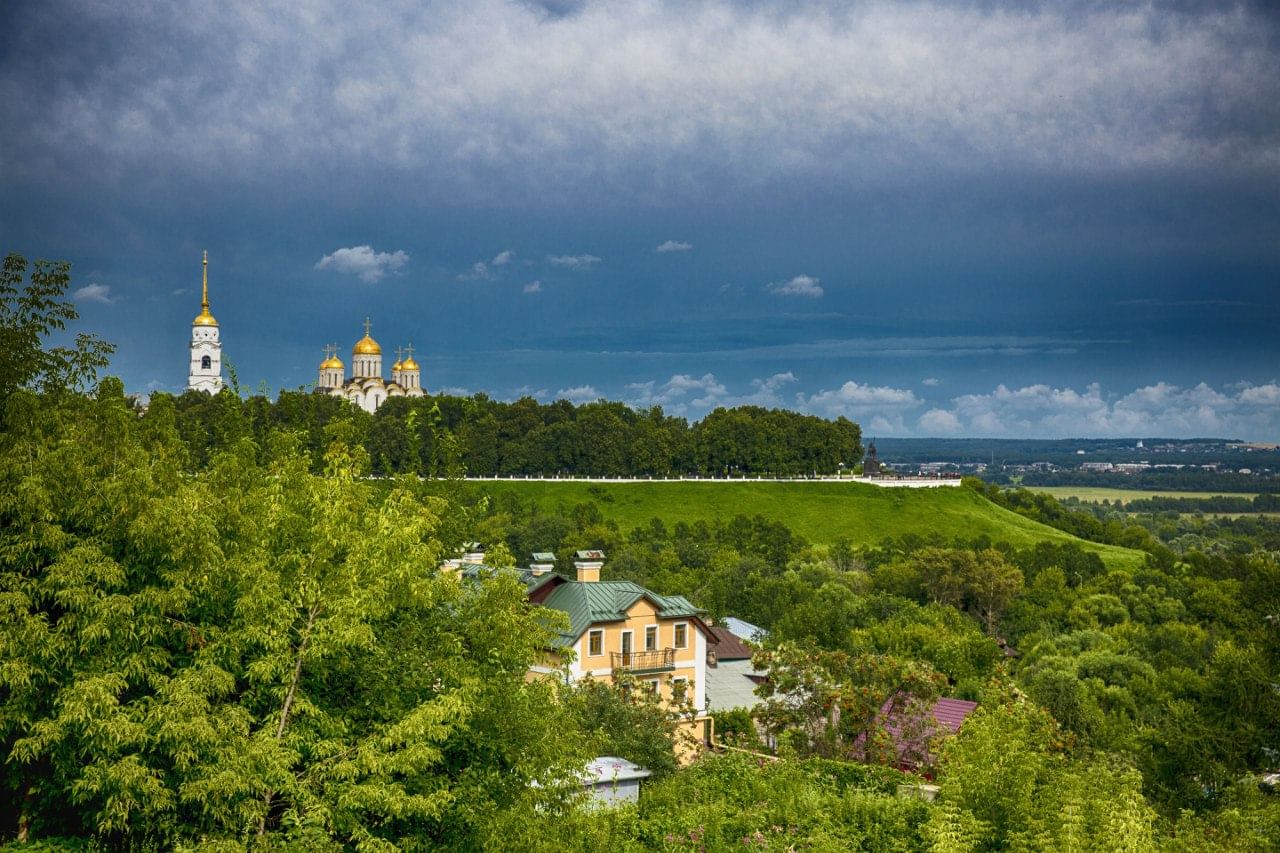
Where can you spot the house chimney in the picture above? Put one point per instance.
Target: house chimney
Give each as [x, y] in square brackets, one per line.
[588, 564]
[543, 563]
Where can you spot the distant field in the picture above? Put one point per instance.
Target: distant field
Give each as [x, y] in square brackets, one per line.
[820, 512]
[1095, 494]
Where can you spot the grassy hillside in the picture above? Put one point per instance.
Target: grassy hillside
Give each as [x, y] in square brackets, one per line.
[822, 512]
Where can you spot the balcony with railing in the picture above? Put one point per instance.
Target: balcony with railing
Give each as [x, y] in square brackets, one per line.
[656, 660]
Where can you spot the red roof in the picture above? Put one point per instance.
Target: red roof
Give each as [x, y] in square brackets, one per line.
[912, 749]
[952, 712]
[730, 646]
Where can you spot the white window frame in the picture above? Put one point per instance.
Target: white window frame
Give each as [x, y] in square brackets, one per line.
[684, 682]
[657, 638]
[654, 686]
[675, 635]
[594, 632]
[623, 637]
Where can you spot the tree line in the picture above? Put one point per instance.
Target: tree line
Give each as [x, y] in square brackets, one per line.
[1184, 480]
[1216, 503]
[438, 436]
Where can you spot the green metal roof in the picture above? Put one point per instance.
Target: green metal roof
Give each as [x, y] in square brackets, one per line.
[608, 601]
[588, 603]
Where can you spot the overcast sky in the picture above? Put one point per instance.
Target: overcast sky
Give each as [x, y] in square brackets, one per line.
[937, 218]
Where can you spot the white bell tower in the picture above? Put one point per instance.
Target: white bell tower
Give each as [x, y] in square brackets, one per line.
[206, 350]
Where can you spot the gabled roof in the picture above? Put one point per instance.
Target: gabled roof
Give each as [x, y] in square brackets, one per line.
[590, 603]
[595, 602]
[912, 732]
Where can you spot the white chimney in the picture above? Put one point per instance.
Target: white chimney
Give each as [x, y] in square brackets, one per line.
[588, 564]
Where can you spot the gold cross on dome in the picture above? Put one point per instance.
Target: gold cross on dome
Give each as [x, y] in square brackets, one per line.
[408, 351]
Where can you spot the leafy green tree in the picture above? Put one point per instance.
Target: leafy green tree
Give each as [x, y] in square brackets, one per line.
[31, 310]
[254, 652]
[992, 586]
[835, 704]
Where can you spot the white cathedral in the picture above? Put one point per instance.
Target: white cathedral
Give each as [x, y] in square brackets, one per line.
[366, 387]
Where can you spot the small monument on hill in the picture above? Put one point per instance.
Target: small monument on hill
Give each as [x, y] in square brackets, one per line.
[871, 463]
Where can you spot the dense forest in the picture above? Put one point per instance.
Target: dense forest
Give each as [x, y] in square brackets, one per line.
[245, 643]
[435, 436]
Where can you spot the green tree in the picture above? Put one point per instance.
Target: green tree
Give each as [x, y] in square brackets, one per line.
[31, 310]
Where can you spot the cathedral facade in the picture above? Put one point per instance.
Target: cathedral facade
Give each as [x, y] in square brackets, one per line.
[367, 388]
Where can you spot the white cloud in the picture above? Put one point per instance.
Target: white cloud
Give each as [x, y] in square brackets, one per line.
[533, 286]
[573, 262]
[685, 394]
[94, 292]
[852, 400]
[881, 425]
[580, 394]
[1163, 408]
[483, 270]
[364, 262]
[674, 246]
[931, 382]
[1261, 395]
[801, 285]
[939, 422]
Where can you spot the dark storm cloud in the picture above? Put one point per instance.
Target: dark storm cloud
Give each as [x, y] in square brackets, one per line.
[459, 95]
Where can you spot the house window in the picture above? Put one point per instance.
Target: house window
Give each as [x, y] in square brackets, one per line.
[206, 363]
[682, 636]
[654, 687]
[595, 643]
[650, 638]
[626, 648]
[679, 690]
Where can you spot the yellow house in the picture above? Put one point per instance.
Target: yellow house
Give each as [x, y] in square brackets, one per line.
[617, 627]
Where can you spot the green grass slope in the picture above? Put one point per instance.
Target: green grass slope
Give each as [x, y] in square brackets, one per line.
[822, 512]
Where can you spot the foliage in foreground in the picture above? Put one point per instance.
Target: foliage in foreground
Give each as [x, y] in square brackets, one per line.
[253, 653]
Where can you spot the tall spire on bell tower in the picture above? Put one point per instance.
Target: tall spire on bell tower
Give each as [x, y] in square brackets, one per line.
[204, 318]
[205, 373]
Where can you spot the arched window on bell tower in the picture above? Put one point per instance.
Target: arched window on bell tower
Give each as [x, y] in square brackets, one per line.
[205, 362]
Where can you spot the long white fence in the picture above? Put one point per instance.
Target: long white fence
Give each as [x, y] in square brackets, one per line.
[883, 482]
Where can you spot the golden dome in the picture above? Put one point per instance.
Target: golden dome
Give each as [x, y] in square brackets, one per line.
[204, 318]
[397, 366]
[366, 345]
[409, 364]
[331, 363]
